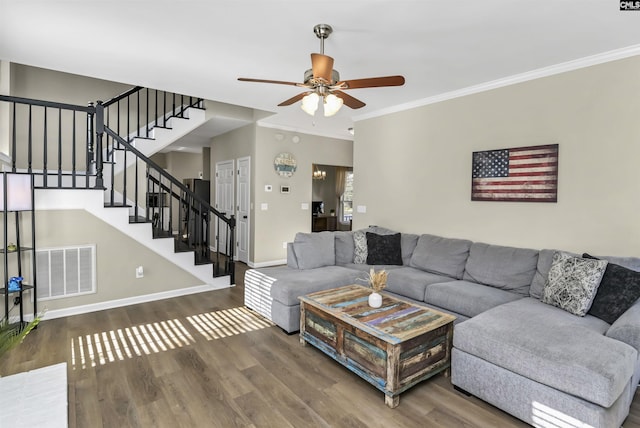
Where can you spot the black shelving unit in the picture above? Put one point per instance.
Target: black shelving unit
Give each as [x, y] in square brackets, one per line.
[14, 225]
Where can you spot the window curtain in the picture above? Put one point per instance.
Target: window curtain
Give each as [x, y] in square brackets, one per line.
[341, 181]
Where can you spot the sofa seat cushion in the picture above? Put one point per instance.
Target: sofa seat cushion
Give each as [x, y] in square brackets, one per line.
[507, 268]
[552, 347]
[412, 283]
[467, 298]
[293, 283]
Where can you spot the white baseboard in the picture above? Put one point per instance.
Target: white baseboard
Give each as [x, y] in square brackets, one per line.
[83, 309]
[267, 264]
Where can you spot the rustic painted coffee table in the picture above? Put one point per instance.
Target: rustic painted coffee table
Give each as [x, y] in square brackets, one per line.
[392, 347]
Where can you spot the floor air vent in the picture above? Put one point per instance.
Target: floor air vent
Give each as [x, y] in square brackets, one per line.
[66, 272]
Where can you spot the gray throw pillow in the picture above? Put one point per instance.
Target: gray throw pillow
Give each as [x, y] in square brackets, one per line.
[360, 251]
[573, 282]
[314, 250]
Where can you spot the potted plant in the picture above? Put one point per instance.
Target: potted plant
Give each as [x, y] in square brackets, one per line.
[12, 335]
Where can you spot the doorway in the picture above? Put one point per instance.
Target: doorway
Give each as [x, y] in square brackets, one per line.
[332, 197]
[243, 180]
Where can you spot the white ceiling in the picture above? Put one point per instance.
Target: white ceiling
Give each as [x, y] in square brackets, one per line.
[200, 47]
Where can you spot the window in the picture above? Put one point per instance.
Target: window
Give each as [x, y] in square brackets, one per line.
[347, 198]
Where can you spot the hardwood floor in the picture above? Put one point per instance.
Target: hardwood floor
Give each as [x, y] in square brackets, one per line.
[205, 361]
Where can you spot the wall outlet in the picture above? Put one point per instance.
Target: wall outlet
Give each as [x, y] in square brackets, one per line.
[139, 272]
[284, 245]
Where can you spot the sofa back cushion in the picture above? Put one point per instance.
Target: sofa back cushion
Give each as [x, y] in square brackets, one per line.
[507, 268]
[545, 258]
[344, 247]
[408, 243]
[314, 250]
[445, 256]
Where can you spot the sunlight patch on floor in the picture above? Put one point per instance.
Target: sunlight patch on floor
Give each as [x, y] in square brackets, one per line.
[227, 322]
[95, 349]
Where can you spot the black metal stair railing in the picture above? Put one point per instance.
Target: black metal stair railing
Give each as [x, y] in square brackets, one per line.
[69, 146]
[134, 114]
[167, 201]
[54, 141]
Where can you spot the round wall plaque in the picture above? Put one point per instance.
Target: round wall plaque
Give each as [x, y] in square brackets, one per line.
[285, 164]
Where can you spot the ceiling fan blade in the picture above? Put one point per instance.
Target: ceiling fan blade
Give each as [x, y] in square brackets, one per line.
[322, 66]
[349, 101]
[372, 82]
[293, 99]
[279, 82]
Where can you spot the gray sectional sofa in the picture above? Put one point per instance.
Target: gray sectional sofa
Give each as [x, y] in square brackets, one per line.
[516, 344]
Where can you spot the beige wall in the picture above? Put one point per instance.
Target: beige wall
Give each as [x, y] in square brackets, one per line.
[284, 216]
[117, 257]
[413, 168]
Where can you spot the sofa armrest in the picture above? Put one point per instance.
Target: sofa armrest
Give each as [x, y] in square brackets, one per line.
[627, 328]
[292, 260]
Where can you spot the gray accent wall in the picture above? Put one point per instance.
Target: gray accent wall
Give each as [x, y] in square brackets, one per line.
[413, 167]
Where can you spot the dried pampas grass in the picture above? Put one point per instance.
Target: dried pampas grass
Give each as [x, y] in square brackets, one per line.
[377, 280]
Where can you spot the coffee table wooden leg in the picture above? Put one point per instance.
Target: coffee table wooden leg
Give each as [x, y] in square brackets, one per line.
[392, 401]
[302, 324]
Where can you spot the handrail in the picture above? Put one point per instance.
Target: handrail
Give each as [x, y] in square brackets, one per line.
[230, 221]
[41, 103]
[122, 96]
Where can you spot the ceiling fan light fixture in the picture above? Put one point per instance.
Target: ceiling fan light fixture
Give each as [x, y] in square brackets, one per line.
[310, 103]
[332, 104]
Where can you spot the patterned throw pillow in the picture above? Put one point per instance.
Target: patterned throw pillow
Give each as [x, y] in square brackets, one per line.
[573, 282]
[360, 251]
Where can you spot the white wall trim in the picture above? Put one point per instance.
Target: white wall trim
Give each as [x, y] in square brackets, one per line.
[511, 80]
[267, 264]
[110, 304]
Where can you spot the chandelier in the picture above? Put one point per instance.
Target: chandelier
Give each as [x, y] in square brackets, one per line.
[319, 174]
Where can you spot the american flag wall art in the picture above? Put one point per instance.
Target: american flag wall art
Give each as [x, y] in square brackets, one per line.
[522, 174]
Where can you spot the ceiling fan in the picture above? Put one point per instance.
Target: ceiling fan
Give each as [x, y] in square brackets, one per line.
[322, 81]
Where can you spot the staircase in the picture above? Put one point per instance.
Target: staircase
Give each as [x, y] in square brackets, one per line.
[107, 156]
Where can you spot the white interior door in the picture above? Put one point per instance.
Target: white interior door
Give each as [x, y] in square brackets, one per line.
[242, 212]
[224, 200]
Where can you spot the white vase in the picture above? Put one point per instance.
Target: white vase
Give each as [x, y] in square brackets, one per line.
[375, 300]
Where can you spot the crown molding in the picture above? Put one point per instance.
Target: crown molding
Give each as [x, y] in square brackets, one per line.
[511, 80]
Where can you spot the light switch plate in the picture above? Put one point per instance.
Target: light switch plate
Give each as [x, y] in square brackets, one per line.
[304, 206]
[264, 206]
[362, 208]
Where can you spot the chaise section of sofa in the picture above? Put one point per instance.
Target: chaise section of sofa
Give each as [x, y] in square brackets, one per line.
[548, 366]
